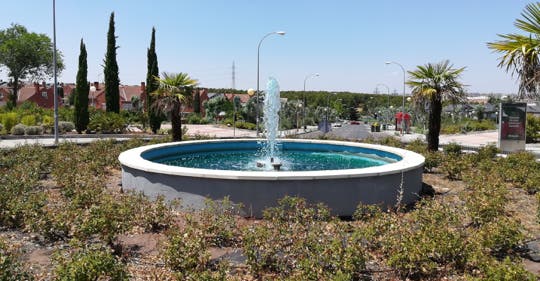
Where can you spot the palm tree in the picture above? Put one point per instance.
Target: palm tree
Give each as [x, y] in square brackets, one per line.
[173, 90]
[432, 84]
[520, 53]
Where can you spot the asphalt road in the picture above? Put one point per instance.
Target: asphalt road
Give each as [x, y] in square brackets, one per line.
[347, 131]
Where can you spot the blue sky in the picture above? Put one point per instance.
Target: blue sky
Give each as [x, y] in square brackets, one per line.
[346, 41]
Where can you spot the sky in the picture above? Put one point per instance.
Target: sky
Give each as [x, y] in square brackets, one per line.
[346, 42]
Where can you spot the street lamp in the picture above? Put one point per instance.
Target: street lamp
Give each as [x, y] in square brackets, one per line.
[258, 53]
[55, 77]
[304, 98]
[403, 106]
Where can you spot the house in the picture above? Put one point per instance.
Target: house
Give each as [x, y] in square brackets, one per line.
[41, 94]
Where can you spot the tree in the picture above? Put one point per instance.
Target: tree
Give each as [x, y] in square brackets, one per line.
[434, 83]
[173, 90]
[520, 53]
[26, 55]
[197, 103]
[112, 83]
[80, 100]
[151, 85]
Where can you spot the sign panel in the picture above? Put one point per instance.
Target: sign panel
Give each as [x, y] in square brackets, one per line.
[512, 123]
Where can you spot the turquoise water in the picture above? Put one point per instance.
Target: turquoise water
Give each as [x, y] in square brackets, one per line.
[292, 160]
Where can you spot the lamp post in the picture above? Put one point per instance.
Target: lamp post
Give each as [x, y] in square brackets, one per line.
[304, 99]
[55, 77]
[403, 106]
[299, 105]
[93, 92]
[258, 53]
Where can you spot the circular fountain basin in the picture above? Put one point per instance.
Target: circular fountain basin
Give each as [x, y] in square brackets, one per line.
[396, 178]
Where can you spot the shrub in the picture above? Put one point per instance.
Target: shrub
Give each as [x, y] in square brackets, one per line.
[196, 119]
[391, 141]
[186, 250]
[452, 148]
[488, 152]
[245, 125]
[95, 262]
[429, 242]
[505, 270]
[9, 120]
[48, 123]
[1, 127]
[218, 221]
[18, 130]
[29, 120]
[486, 199]
[10, 268]
[533, 128]
[65, 126]
[106, 122]
[33, 130]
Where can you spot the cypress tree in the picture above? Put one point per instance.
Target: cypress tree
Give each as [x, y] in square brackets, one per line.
[154, 117]
[80, 100]
[197, 102]
[112, 92]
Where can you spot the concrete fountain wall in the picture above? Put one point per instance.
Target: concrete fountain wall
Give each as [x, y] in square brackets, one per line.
[341, 190]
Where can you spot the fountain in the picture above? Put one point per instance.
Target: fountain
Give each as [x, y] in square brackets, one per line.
[257, 173]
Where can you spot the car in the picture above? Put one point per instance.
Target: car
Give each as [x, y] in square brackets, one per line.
[337, 125]
[355, 123]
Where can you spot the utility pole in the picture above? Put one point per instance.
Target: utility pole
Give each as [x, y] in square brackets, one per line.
[233, 76]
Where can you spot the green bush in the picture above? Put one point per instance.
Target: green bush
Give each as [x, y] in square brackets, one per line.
[106, 122]
[428, 243]
[196, 119]
[9, 120]
[10, 268]
[47, 123]
[452, 148]
[33, 130]
[29, 120]
[65, 126]
[90, 263]
[533, 128]
[186, 250]
[246, 125]
[505, 270]
[18, 130]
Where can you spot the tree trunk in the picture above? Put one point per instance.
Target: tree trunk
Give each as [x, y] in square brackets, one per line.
[176, 122]
[434, 124]
[12, 102]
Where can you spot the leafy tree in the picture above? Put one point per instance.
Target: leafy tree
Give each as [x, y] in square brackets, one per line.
[151, 85]
[80, 100]
[434, 83]
[26, 55]
[112, 92]
[520, 53]
[174, 89]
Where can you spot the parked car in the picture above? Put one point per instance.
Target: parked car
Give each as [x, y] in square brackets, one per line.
[355, 122]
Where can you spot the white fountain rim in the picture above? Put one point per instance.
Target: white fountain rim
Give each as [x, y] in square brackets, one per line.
[410, 160]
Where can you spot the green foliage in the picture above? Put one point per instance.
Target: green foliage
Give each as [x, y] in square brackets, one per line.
[18, 130]
[33, 130]
[505, 270]
[391, 141]
[486, 199]
[80, 101]
[65, 126]
[196, 119]
[218, 221]
[26, 54]
[152, 72]
[106, 122]
[10, 267]
[47, 122]
[431, 240]
[297, 240]
[453, 148]
[110, 71]
[9, 120]
[29, 120]
[94, 262]
[186, 250]
[533, 128]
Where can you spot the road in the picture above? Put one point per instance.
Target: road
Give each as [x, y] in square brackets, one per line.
[347, 131]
